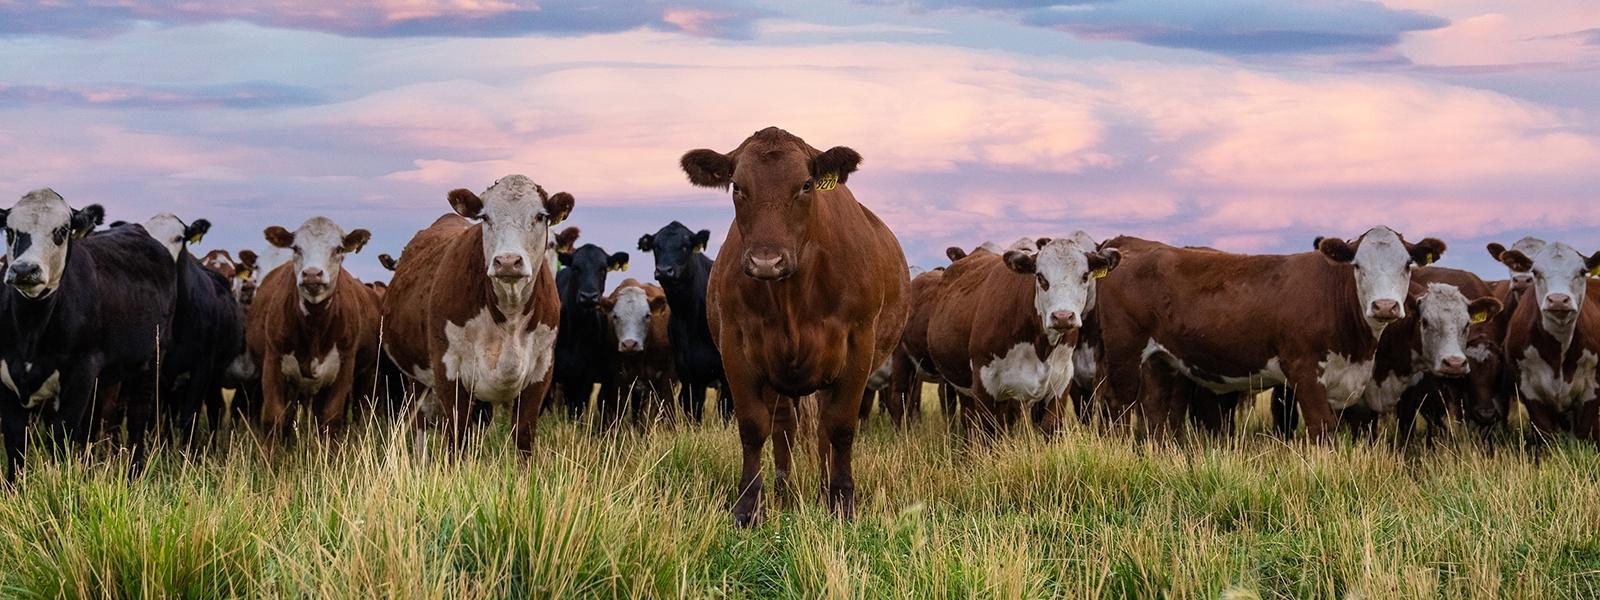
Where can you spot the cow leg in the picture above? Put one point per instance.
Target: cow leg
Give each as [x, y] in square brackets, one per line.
[1405, 415]
[836, 436]
[724, 401]
[335, 401]
[1312, 398]
[1053, 417]
[1285, 417]
[867, 395]
[1160, 414]
[901, 374]
[785, 425]
[14, 424]
[755, 415]
[530, 404]
[1586, 423]
[138, 394]
[1543, 423]
[692, 397]
[949, 401]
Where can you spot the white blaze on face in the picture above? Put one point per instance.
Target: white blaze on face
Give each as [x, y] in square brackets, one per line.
[1445, 318]
[1383, 271]
[318, 244]
[631, 317]
[167, 229]
[38, 231]
[514, 223]
[1063, 281]
[1559, 269]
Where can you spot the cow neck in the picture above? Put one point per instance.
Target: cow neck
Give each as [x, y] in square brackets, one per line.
[31, 317]
[1561, 339]
[318, 315]
[504, 300]
[1396, 346]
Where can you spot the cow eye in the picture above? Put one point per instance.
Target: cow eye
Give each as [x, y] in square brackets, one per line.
[1044, 284]
[808, 186]
[736, 189]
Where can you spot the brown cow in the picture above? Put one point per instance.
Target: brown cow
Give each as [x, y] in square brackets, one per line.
[1484, 395]
[913, 364]
[1003, 328]
[1232, 323]
[472, 311]
[313, 328]
[1553, 341]
[638, 314]
[807, 296]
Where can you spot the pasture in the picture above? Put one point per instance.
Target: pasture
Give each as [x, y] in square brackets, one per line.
[645, 515]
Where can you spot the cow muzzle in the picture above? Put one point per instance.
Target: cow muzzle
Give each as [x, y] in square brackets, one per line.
[1453, 366]
[667, 273]
[1064, 320]
[630, 347]
[1385, 311]
[1521, 281]
[25, 276]
[588, 299]
[509, 267]
[1560, 306]
[768, 266]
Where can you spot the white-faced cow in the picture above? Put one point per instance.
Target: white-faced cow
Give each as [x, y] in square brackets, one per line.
[1553, 340]
[807, 296]
[472, 310]
[638, 315]
[313, 329]
[684, 271]
[82, 315]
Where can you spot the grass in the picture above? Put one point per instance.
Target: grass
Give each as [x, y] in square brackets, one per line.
[644, 515]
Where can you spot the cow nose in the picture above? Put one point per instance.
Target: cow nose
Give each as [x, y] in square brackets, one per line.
[1521, 281]
[1453, 366]
[24, 273]
[310, 276]
[766, 267]
[588, 298]
[630, 346]
[510, 265]
[1559, 303]
[1385, 310]
[666, 273]
[1063, 319]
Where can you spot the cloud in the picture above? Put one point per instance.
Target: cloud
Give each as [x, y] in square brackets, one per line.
[389, 18]
[113, 95]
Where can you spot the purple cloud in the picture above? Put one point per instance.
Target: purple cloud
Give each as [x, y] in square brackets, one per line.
[117, 95]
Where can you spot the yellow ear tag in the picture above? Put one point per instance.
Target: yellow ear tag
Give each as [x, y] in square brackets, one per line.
[1479, 317]
[827, 182]
[1595, 271]
[621, 267]
[196, 239]
[1427, 260]
[1100, 272]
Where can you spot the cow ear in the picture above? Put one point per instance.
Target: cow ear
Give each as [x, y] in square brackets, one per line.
[85, 219]
[1516, 261]
[1316, 244]
[1427, 251]
[1593, 263]
[1337, 249]
[1484, 308]
[954, 254]
[355, 241]
[617, 262]
[1021, 262]
[196, 230]
[388, 262]
[247, 258]
[1495, 250]
[707, 168]
[280, 237]
[700, 240]
[567, 240]
[658, 303]
[609, 302]
[465, 203]
[1102, 262]
[837, 162]
[1041, 242]
[564, 258]
[647, 243]
[559, 207]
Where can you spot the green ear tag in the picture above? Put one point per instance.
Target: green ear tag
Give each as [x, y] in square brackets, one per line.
[827, 182]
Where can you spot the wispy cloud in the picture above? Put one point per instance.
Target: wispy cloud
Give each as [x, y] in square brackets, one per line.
[122, 95]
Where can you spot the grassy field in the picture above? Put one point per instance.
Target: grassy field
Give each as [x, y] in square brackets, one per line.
[644, 515]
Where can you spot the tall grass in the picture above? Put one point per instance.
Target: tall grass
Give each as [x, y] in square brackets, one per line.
[644, 515]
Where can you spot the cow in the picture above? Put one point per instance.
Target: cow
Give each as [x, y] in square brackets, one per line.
[1180, 323]
[313, 329]
[881, 386]
[807, 296]
[207, 329]
[1483, 397]
[912, 363]
[584, 359]
[639, 315]
[1004, 327]
[684, 271]
[1552, 343]
[82, 315]
[241, 273]
[1527, 246]
[472, 311]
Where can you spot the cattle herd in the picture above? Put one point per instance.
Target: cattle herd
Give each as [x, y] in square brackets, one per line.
[809, 313]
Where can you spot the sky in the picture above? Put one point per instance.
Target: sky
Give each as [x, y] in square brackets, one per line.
[1247, 125]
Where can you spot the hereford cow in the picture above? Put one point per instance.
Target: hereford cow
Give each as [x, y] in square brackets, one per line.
[638, 316]
[313, 329]
[1553, 341]
[807, 296]
[1484, 395]
[584, 356]
[684, 272]
[207, 329]
[1004, 327]
[241, 273]
[913, 364]
[1527, 246]
[1234, 323]
[241, 375]
[472, 311]
[81, 315]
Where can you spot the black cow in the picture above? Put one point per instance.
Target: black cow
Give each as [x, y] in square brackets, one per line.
[584, 355]
[83, 317]
[207, 329]
[683, 270]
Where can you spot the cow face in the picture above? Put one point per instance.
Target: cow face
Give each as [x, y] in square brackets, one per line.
[1560, 279]
[319, 247]
[631, 308]
[1382, 262]
[587, 268]
[38, 231]
[1486, 405]
[1521, 273]
[673, 246]
[174, 234]
[245, 276]
[775, 177]
[517, 215]
[1065, 273]
[1445, 317]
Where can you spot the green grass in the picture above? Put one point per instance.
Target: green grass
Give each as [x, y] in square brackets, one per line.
[644, 515]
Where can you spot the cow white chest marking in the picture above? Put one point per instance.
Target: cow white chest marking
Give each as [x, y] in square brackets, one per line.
[47, 390]
[1345, 380]
[1269, 375]
[1383, 395]
[495, 361]
[1021, 376]
[1084, 366]
[323, 371]
[1543, 382]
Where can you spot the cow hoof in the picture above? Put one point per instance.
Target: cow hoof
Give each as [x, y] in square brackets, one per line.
[748, 520]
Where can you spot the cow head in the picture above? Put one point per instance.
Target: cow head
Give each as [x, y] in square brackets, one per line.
[673, 247]
[222, 262]
[319, 247]
[1445, 317]
[1382, 262]
[246, 276]
[1560, 279]
[775, 178]
[632, 307]
[1521, 272]
[1065, 272]
[517, 215]
[587, 267]
[174, 234]
[1486, 404]
[39, 230]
